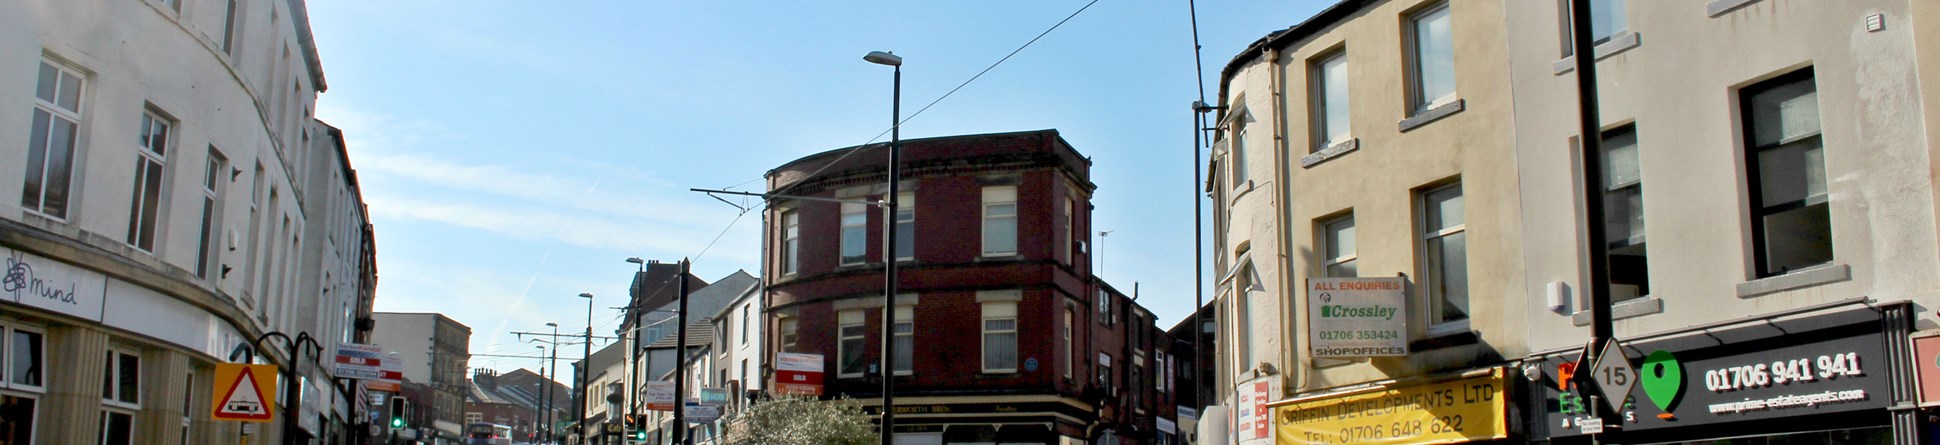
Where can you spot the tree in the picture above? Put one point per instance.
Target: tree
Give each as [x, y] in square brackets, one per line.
[795, 420]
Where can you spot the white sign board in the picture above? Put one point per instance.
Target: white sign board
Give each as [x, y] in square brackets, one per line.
[1253, 420]
[698, 413]
[660, 396]
[355, 361]
[52, 285]
[1357, 317]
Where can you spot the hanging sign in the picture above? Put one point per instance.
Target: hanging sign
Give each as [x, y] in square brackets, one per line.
[244, 393]
[660, 396]
[363, 362]
[1357, 317]
[798, 374]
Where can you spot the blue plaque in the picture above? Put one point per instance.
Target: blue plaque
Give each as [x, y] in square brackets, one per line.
[1030, 364]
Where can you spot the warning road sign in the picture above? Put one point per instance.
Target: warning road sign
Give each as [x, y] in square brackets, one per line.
[244, 393]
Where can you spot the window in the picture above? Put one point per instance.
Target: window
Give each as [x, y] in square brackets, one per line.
[255, 235]
[229, 17]
[1136, 384]
[1445, 254]
[1623, 215]
[905, 226]
[791, 231]
[24, 360]
[1790, 219]
[17, 418]
[1065, 344]
[855, 234]
[1432, 59]
[117, 427]
[1238, 160]
[852, 344]
[1104, 307]
[1104, 373]
[1606, 21]
[51, 142]
[905, 340]
[151, 157]
[744, 324]
[1000, 337]
[1067, 226]
[1337, 241]
[121, 384]
[999, 221]
[788, 334]
[205, 252]
[1329, 92]
[1243, 307]
[188, 403]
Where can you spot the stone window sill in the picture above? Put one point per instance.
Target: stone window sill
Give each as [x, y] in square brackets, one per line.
[1637, 307]
[1807, 277]
[1617, 44]
[1431, 115]
[1331, 152]
[1719, 7]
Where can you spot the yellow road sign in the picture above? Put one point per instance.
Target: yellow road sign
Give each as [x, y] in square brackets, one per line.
[244, 393]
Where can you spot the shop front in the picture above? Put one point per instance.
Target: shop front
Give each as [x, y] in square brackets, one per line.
[1819, 377]
[1046, 419]
[1468, 407]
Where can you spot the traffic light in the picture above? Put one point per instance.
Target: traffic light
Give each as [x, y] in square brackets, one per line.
[399, 406]
[639, 427]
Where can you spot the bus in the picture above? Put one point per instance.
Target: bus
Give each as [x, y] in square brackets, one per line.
[482, 433]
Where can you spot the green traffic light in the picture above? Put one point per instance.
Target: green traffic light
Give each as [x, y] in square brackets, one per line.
[397, 423]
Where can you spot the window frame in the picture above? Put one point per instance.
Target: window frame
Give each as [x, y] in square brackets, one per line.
[854, 223]
[108, 412]
[115, 378]
[790, 333]
[996, 197]
[76, 118]
[905, 317]
[150, 195]
[1237, 173]
[1069, 229]
[1068, 354]
[1437, 324]
[995, 311]
[905, 219]
[210, 228]
[8, 329]
[842, 339]
[1332, 256]
[791, 239]
[1320, 101]
[1756, 210]
[1616, 196]
[1418, 102]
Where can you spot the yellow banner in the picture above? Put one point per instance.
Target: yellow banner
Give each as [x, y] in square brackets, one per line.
[1447, 412]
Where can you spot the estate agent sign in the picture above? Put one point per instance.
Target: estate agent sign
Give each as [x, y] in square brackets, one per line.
[1452, 411]
[1357, 317]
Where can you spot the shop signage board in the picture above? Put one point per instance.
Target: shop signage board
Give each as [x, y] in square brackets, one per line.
[390, 375]
[1357, 317]
[660, 396]
[244, 392]
[798, 374]
[714, 396]
[1926, 368]
[1461, 410]
[698, 413]
[1783, 368]
[1253, 419]
[52, 285]
[357, 361]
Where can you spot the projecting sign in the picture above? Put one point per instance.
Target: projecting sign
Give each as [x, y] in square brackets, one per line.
[1357, 317]
[714, 396]
[363, 362]
[1455, 411]
[660, 396]
[244, 393]
[798, 374]
[698, 413]
[1255, 420]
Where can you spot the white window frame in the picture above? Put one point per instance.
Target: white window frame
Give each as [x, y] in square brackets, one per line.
[1324, 134]
[7, 352]
[1104, 307]
[1240, 177]
[151, 179]
[998, 311]
[1417, 82]
[208, 257]
[791, 241]
[1069, 229]
[854, 223]
[231, 14]
[994, 199]
[74, 116]
[905, 219]
[107, 412]
[1070, 314]
[905, 331]
[1332, 230]
[1432, 300]
[114, 378]
[744, 324]
[790, 333]
[1104, 377]
[853, 318]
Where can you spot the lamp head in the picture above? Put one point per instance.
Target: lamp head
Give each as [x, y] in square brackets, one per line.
[552, 324]
[884, 58]
[1200, 106]
[636, 260]
[586, 295]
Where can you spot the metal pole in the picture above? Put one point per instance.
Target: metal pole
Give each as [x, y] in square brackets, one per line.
[1198, 268]
[633, 347]
[585, 367]
[680, 361]
[1590, 139]
[889, 265]
[291, 397]
[551, 381]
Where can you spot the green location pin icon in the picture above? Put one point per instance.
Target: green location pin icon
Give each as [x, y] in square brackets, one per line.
[1663, 381]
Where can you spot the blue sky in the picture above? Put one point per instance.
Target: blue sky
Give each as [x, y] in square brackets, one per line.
[514, 153]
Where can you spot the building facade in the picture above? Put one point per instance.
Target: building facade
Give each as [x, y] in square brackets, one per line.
[1004, 334]
[1433, 145]
[435, 350]
[175, 195]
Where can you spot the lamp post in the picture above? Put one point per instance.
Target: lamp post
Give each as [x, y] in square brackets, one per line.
[552, 362]
[538, 396]
[291, 392]
[586, 361]
[633, 337]
[889, 245]
[680, 360]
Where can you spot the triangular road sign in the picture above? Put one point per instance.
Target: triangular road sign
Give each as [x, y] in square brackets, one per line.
[246, 398]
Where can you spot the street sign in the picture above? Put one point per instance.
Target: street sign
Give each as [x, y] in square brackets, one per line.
[1613, 375]
[244, 392]
[1591, 426]
[357, 361]
[660, 396]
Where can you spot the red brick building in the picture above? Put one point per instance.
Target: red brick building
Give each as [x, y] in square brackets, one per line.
[1009, 337]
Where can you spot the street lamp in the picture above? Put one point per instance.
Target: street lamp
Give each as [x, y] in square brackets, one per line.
[538, 396]
[552, 362]
[633, 337]
[586, 361]
[889, 245]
